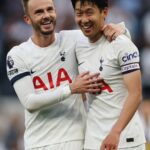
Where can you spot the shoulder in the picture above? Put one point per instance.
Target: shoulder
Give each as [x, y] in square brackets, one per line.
[18, 50]
[123, 43]
[71, 34]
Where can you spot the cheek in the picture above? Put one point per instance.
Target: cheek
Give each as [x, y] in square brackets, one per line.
[76, 18]
[54, 16]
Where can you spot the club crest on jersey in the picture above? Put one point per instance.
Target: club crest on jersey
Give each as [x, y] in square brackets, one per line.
[101, 64]
[10, 62]
[62, 55]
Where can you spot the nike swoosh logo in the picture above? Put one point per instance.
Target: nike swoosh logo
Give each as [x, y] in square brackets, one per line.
[32, 71]
[80, 63]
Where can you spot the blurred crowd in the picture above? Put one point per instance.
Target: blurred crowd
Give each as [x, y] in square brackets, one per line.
[13, 30]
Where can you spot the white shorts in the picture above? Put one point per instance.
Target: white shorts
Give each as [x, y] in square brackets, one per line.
[73, 145]
[140, 147]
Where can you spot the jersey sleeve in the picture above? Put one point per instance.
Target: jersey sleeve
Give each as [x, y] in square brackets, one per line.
[128, 55]
[33, 101]
[17, 70]
[15, 66]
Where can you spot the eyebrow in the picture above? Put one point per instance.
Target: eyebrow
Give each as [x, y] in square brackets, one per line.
[38, 11]
[79, 9]
[41, 9]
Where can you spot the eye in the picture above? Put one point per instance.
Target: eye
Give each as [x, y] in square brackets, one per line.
[78, 13]
[50, 9]
[89, 12]
[39, 11]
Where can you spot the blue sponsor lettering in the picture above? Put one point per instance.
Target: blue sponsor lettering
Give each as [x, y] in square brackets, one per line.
[129, 57]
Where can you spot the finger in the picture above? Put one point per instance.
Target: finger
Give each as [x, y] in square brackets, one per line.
[115, 36]
[102, 147]
[108, 147]
[94, 80]
[84, 74]
[114, 147]
[93, 91]
[108, 28]
[94, 86]
[106, 32]
[92, 76]
[103, 28]
[111, 34]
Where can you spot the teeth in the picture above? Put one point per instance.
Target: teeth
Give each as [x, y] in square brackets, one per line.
[86, 27]
[45, 23]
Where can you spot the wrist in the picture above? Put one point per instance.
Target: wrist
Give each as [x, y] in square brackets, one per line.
[71, 88]
[117, 130]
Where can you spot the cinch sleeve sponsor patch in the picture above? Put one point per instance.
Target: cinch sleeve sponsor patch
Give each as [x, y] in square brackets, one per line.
[129, 60]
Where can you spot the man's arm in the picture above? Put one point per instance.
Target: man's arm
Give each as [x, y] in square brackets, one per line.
[112, 31]
[133, 84]
[33, 101]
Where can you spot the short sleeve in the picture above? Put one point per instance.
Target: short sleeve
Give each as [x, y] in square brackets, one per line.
[128, 56]
[15, 65]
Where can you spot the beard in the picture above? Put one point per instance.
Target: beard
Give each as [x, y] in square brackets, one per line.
[38, 28]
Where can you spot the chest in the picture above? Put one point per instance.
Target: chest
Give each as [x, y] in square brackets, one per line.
[52, 68]
[100, 59]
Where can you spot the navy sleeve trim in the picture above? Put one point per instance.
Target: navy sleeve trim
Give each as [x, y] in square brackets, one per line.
[130, 64]
[130, 71]
[16, 78]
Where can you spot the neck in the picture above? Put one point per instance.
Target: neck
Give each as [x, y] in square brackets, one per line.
[96, 37]
[43, 41]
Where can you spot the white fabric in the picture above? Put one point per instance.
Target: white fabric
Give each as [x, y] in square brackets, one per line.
[73, 145]
[112, 60]
[139, 147]
[32, 101]
[50, 69]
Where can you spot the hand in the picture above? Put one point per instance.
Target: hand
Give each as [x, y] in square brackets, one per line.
[86, 83]
[112, 31]
[111, 141]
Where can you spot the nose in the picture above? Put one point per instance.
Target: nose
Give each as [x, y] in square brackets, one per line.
[84, 19]
[46, 14]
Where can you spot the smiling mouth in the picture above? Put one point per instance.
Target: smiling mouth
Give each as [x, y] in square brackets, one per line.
[86, 27]
[46, 23]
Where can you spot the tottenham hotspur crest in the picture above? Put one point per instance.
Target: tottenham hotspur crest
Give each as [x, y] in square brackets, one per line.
[101, 64]
[62, 56]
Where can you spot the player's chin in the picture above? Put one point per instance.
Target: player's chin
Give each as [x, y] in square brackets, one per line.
[48, 32]
[88, 35]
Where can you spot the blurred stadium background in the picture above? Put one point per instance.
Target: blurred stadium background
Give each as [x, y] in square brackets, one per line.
[13, 30]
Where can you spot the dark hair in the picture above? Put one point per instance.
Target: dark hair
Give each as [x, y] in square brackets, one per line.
[101, 4]
[24, 4]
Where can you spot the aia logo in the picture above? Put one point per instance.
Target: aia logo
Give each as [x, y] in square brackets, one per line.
[10, 62]
[62, 55]
[130, 56]
[62, 76]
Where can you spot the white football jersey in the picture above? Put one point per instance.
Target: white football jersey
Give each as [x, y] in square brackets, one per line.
[49, 68]
[112, 60]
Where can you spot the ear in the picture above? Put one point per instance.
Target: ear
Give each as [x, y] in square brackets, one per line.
[105, 11]
[27, 19]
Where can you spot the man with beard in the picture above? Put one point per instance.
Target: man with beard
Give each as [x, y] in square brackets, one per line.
[112, 122]
[44, 74]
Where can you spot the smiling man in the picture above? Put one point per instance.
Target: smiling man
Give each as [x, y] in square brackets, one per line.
[112, 122]
[43, 72]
